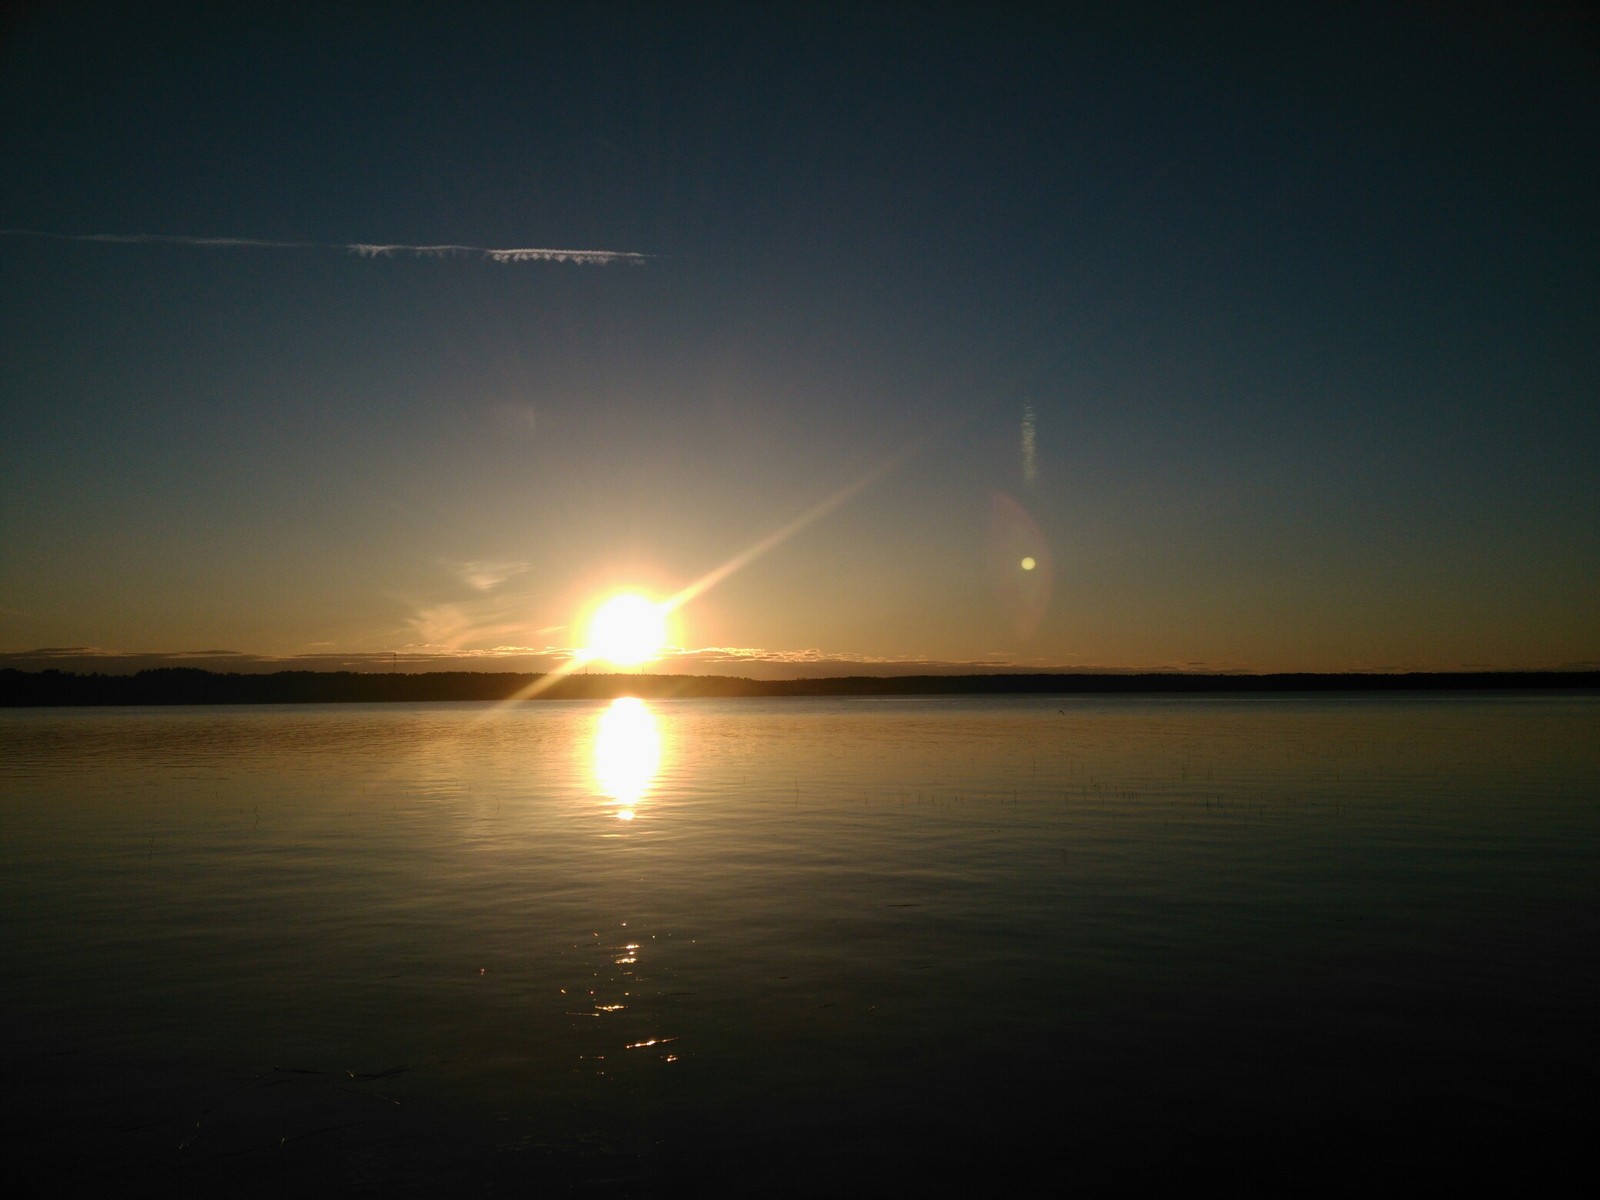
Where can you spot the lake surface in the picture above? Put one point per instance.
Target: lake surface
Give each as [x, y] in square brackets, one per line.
[781, 946]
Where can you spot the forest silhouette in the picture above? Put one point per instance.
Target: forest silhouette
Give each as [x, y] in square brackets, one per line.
[188, 685]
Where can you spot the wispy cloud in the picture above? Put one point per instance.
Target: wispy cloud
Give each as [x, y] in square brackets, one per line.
[485, 575]
[556, 662]
[518, 254]
[471, 625]
[512, 254]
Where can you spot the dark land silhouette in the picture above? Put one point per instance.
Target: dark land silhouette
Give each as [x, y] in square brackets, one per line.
[187, 685]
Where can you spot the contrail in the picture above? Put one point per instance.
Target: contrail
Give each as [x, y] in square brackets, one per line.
[514, 254]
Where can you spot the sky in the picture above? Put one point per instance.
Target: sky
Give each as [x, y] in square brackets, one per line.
[1270, 339]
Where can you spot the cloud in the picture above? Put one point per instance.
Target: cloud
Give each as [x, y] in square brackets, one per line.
[445, 636]
[467, 626]
[516, 254]
[762, 663]
[485, 575]
[476, 624]
[757, 654]
[444, 630]
[111, 662]
[511, 657]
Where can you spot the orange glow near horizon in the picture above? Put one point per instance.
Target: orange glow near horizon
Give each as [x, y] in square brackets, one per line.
[634, 612]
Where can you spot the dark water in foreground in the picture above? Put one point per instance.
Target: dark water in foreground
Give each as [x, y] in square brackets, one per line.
[781, 946]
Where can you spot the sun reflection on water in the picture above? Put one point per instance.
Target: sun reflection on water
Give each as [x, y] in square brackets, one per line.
[627, 753]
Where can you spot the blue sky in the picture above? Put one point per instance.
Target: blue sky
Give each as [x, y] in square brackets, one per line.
[1300, 312]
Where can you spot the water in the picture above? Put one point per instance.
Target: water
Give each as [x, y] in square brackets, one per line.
[787, 945]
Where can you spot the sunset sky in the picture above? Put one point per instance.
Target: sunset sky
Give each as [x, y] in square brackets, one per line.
[1272, 340]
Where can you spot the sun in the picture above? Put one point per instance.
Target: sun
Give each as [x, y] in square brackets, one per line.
[627, 630]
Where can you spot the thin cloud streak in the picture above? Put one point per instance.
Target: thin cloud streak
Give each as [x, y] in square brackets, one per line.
[516, 254]
[484, 575]
[552, 663]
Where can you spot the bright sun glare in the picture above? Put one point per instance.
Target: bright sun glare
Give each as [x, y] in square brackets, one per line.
[627, 630]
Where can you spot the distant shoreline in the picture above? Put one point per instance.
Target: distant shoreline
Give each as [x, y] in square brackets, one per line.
[186, 685]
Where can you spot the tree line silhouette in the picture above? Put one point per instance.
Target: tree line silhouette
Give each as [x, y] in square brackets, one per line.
[189, 685]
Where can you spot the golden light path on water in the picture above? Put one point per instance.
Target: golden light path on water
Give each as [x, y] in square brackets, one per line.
[627, 753]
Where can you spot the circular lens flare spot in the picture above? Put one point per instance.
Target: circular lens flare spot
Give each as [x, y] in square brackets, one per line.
[1017, 542]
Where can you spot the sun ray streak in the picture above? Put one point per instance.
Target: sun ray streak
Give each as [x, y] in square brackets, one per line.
[744, 558]
[815, 513]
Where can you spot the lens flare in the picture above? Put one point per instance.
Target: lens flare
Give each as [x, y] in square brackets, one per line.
[1017, 541]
